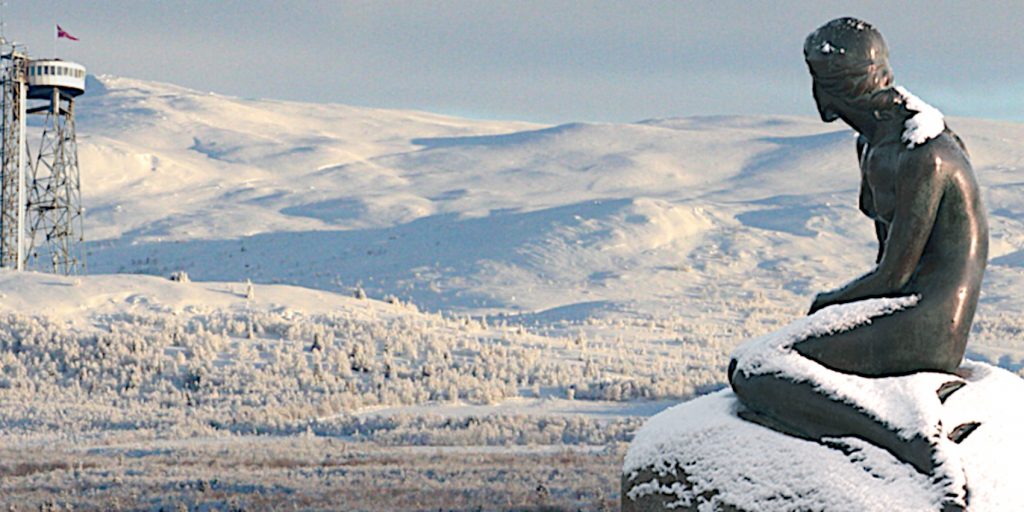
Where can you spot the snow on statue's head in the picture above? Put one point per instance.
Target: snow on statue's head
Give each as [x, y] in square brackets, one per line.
[848, 59]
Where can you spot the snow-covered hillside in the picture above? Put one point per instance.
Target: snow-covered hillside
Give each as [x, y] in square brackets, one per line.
[707, 220]
[552, 283]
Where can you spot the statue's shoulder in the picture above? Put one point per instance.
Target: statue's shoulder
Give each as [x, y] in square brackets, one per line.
[945, 150]
[958, 141]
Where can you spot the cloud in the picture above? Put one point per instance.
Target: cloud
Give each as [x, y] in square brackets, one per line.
[538, 60]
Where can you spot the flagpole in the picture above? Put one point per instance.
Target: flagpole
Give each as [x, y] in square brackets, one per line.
[55, 37]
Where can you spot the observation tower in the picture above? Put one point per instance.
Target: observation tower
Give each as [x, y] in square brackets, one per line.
[40, 192]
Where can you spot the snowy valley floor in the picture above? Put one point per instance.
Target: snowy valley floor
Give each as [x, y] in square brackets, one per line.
[137, 392]
[306, 473]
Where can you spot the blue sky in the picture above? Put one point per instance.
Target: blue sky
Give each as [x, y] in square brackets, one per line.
[547, 61]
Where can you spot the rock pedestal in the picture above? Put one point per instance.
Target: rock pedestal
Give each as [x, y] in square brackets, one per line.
[701, 455]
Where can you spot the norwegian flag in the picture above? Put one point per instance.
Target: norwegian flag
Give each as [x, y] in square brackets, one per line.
[62, 33]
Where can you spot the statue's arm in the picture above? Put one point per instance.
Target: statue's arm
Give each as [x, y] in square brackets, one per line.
[918, 193]
[882, 233]
[867, 200]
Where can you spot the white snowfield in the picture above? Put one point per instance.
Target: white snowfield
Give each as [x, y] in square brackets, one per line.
[526, 284]
[703, 218]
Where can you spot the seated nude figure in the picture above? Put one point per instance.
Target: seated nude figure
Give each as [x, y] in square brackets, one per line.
[918, 187]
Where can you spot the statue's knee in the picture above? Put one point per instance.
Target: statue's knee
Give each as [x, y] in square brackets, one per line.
[812, 348]
[739, 381]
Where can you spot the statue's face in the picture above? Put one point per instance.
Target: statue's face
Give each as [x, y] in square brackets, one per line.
[828, 105]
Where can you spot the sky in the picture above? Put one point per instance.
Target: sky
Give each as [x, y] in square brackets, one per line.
[546, 61]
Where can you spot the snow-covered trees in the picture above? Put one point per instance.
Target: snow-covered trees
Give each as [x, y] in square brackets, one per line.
[276, 370]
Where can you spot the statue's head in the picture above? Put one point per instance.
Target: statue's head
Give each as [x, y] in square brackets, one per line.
[849, 62]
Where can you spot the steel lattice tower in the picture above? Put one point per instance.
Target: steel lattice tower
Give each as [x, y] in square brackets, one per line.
[40, 195]
[55, 204]
[13, 160]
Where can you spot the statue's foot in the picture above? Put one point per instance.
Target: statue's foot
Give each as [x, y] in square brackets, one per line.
[947, 389]
[958, 434]
[953, 505]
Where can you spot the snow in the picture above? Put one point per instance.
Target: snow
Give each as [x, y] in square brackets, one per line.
[768, 354]
[407, 204]
[504, 266]
[751, 466]
[992, 454]
[926, 124]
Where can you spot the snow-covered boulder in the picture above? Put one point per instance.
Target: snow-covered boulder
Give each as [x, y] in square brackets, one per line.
[700, 455]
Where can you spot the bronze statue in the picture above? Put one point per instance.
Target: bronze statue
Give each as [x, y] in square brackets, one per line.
[924, 200]
[876, 360]
[918, 187]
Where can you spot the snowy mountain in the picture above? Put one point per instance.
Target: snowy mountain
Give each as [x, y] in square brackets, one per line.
[707, 219]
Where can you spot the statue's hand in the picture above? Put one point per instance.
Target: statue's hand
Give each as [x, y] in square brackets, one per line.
[822, 300]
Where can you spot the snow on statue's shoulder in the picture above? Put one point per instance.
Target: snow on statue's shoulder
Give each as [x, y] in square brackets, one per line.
[926, 124]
